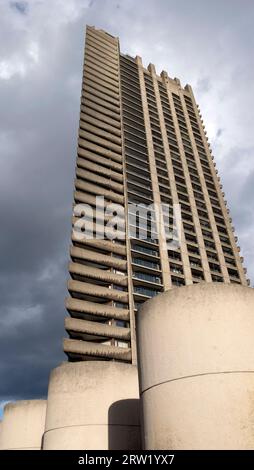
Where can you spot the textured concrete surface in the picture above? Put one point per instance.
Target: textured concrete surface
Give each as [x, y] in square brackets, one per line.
[23, 425]
[196, 367]
[93, 405]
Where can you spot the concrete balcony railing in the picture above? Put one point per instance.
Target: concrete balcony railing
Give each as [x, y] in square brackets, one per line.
[83, 327]
[98, 191]
[98, 112]
[89, 255]
[99, 169]
[106, 245]
[90, 176]
[93, 290]
[77, 307]
[87, 119]
[112, 139]
[89, 272]
[101, 150]
[86, 348]
[99, 159]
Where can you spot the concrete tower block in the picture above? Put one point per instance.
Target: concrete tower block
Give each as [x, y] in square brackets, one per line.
[196, 365]
[93, 405]
[23, 425]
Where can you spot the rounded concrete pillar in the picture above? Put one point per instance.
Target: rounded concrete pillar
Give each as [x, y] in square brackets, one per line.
[196, 368]
[23, 425]
[93, 405]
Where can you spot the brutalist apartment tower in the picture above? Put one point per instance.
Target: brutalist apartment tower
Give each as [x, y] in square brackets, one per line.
[149, 216]
[142, 142]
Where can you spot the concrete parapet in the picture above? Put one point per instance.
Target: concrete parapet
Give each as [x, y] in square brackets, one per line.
[196, 367]
[23, 425]
[93, 405]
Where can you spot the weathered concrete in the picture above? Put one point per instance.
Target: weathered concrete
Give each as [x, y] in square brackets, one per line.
[196, 365]
[23, 425]
[93, 405]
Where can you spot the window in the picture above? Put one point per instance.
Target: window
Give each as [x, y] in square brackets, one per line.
[177, 281]
[174, 255]
[175, 268]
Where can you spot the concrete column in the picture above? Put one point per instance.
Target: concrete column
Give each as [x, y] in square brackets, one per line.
[209, 208]
[23, 425]
[172, 182]
[196, 367]
[93, 405]
[194, 211]
[154, 181]
[220, 195]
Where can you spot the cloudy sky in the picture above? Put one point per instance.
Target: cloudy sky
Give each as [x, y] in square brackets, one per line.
[207, 44]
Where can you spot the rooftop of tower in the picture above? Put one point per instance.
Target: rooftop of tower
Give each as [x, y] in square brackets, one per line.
[163, 74]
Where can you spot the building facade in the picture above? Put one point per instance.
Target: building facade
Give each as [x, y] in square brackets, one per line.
[141, 142]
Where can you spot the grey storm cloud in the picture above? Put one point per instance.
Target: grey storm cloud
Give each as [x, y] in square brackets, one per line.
[207, 44]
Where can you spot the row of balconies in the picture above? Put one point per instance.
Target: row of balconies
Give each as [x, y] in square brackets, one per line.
[98, 267]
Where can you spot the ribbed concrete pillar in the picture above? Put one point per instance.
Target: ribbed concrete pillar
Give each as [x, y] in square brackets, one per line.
[23, 425]
[196, 360]
[93, 405]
